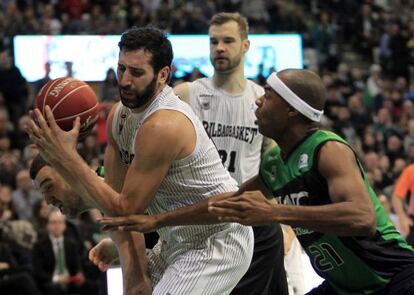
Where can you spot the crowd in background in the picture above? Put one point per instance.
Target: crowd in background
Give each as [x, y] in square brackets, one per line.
[363, 50]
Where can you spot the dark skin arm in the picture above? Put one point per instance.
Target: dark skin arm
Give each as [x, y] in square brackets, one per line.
[350, 214]
[194, 214]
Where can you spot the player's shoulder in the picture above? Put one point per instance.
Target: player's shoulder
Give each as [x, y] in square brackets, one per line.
[255, 88]
[165, 119]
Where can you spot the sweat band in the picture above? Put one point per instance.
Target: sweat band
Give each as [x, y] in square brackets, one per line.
[292, 99]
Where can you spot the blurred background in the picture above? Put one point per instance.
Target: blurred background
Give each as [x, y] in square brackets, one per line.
[363, 50]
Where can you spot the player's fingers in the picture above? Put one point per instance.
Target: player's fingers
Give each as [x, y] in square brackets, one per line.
[50, 118]
[223, 211]
[40, 120]
[122, 220]
[230, 204]
[76, 124]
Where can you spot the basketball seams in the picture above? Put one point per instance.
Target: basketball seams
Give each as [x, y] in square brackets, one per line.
[77, 115]
[47, 93]
[83, 103]
[67, 95]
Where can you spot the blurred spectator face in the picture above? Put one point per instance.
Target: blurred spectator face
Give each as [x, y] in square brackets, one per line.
[8, 161]
[5, 194]
[383, 116]
[369, 139]
[407, 107]
[227, 49]
[23, 180]
[57, 192]
[384, 163]
[56, 224]
[343, 69]
[399, 165]
[4, 144]
[354, 103]
[371, 161]
[394, 143]
[401, 84]
[343, 114]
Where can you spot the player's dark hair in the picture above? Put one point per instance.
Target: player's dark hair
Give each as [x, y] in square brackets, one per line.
[152, 40]
[37, 164]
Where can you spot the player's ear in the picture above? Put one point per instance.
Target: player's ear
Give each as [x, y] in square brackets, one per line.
[164, 74]
[245, 45]
[292, 111]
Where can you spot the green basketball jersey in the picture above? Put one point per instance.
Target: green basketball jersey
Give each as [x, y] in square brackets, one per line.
[352, 265]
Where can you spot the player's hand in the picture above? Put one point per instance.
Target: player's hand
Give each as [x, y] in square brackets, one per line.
[249, 208]
[405, 224]
[140, 223]
[53, 143]
[103, 254]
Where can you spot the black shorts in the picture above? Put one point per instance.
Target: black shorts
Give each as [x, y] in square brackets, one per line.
[323, 289]
[401, 284]
[266, 273]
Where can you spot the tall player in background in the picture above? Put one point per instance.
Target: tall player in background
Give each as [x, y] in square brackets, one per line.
[150, 169]
[225, 103]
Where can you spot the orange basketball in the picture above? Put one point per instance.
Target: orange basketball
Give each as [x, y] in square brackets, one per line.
[69, 98]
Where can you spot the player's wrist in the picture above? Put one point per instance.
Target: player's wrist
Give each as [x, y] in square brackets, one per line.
[159, 220]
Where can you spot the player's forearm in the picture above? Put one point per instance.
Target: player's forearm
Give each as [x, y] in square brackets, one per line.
[131, 250]
[88, 185]
[194, 214]
[344, 219]
[398, 206]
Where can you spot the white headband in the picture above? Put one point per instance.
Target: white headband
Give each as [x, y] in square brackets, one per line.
[294, 100]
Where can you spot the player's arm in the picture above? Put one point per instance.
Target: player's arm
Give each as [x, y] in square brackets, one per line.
[130, 246]
[398, 197]
[193, 214]
[350, 214]
[182, 90]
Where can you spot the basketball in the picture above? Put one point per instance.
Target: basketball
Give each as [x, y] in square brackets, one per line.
[69, 98]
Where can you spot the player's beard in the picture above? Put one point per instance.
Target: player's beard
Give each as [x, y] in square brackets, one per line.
[141, 97]
[229, 65]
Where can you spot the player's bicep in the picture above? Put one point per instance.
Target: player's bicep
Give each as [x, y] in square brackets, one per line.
[343, 176]
[156, 147]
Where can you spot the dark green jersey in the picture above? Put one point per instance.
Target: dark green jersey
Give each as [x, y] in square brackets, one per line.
[352, 265]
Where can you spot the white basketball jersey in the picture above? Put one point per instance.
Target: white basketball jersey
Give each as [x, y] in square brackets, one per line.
[188, 180]
[229, 120]
[190, 259]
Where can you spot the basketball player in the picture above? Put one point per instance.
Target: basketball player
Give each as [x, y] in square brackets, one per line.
[323, 193]
[151, 169]
[225, 103]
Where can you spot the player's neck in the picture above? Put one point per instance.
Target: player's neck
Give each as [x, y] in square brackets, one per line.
[233, 82]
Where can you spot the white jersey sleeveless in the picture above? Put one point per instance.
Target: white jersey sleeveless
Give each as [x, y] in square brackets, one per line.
[193, 250]
[229, 120]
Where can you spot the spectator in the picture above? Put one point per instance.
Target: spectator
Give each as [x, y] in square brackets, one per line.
[25, 196]
[56, 261]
